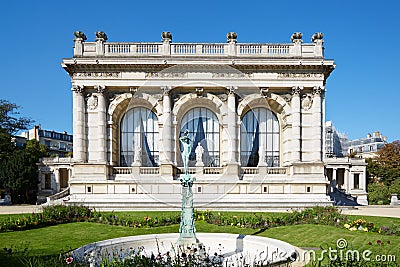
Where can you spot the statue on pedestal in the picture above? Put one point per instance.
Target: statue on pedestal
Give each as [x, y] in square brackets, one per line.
[187, 230]
[199, 155]
[137, 156]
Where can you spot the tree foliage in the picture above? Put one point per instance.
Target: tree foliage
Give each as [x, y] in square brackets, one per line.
[19, 172]
[10, 124]
[386, 166]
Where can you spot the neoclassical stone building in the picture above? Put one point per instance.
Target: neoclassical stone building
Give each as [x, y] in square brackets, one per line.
[256, 110]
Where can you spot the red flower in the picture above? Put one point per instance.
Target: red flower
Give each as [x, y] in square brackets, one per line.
[69, 260]
[379, 241]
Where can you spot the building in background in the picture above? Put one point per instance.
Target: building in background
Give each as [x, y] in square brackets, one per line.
[335, 142]
[54, 171]
[368, 146]
[59, 144]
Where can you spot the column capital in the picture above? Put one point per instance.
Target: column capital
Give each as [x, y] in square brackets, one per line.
[231, 89]
[166, 90]
[317, 90]
[78, 89]
[296, 90]
[100, 88]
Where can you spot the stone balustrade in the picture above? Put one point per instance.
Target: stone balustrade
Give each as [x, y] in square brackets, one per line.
[167, 48]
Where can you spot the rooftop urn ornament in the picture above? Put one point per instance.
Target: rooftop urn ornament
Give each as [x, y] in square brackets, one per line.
[101, 36]
[79, 36]
[231, 37]
[166, 37]
[317, 37]
[296, 37]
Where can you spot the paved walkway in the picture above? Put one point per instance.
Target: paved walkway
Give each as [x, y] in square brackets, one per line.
[18, 209]
[383, 211]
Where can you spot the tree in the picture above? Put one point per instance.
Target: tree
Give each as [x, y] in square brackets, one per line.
[10, 124]
[388, 162]
[19, 172]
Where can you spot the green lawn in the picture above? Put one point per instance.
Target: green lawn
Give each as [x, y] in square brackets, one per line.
[51, 240]
[64, 237]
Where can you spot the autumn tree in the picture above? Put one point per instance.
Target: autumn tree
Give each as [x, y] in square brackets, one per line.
[386, 166]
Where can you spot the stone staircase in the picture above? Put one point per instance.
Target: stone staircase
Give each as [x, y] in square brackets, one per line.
[341, 198]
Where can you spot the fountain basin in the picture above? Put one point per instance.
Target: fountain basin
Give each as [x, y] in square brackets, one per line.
[233, 247]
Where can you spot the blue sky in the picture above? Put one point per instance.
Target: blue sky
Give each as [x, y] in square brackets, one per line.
[361, 36]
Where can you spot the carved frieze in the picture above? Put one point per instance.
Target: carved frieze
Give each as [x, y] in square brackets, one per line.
[290, 75]
[96, 75]
[162, 75]
[231, 75]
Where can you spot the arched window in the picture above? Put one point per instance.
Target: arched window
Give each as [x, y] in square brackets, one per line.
[203, 128]
[259, 138]
[139, 138]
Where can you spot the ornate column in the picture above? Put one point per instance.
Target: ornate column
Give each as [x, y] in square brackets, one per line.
[296, 124]
[56, 182]
[229, 135]
[102, 123]
[167, 140]
[317, 123]
[346, 180]
[232, 126]
[334, 179]
[79, 145]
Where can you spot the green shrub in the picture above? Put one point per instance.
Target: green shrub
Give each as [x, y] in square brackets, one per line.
[378, 193]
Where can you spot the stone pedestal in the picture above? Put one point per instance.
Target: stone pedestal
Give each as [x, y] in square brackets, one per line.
[394, 201]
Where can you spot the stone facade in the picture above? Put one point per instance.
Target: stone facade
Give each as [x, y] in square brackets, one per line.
[257, 110]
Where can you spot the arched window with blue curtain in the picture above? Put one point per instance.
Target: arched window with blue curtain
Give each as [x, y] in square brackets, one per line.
[203, 127]
[139, 129]
[259, 130]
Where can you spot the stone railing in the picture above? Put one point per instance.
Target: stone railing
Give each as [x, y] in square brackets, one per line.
[143, 170]
[149, 170]
[66, 160]
[213, 170]
[276, 170]
[102, 48]
[192, 170]
[250, 170]
[198, 49]
[122, 170]
[270, 170]
[59, 195]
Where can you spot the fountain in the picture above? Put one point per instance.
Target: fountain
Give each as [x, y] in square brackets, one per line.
[215, 249]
